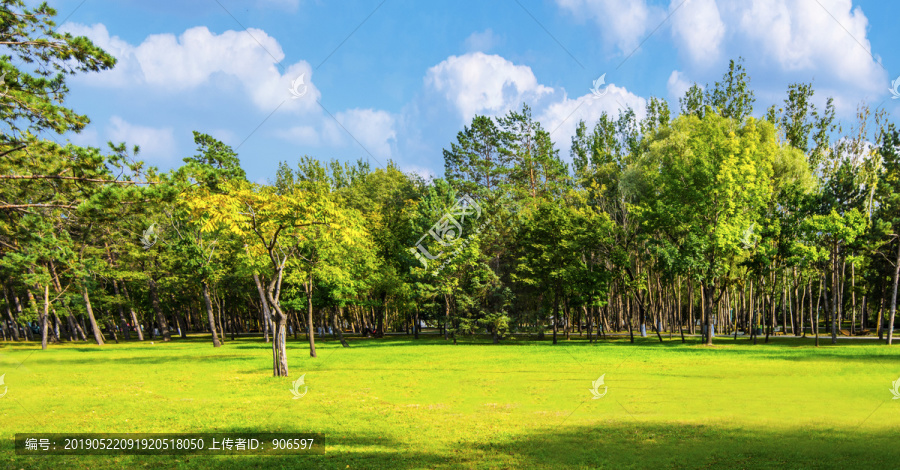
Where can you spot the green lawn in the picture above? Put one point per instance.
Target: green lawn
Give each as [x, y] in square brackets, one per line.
[401, 403]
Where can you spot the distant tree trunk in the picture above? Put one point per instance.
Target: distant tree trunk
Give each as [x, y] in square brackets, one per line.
[265, 305]
[381, 314]
[13, 325]
[555, 313]
[59, 328]
[338, 324]
[122, 321]
[98, 335]
[309, 315]
[590, 326]
[446, 315]
[210, 315]
[690, 306]
[416, 326]
[710, 311]
[680, 315]
[134, 318]
[818, 306]
[833, 304]
[890, 333]
[45, 315]
[112, 330]
[160, 318]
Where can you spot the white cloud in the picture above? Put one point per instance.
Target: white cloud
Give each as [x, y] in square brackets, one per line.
[478, 83]
[783, 41]
[190, 61]
[373, 129]
[623, 23]
[827, 36]
[561, 118]
[482, 41]
[677, 85]
[698, 29]
[156, 144]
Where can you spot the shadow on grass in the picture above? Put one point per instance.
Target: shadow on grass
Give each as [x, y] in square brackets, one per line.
[676, 445]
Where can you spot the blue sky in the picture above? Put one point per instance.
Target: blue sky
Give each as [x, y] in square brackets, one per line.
[397, 79]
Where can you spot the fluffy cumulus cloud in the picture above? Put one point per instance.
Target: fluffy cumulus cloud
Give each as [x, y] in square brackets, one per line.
[785, 41]
[477, 83]
[782, 41]
[562, 117]
[157, 144]
[189, 61]
[677, 85]
[373, 129]
[622, 23]
[491, 85]
[827, 36]
[698, 29]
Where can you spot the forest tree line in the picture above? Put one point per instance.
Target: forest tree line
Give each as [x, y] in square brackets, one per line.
[709, 217]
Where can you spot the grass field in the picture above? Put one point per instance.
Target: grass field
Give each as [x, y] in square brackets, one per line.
[401, 403]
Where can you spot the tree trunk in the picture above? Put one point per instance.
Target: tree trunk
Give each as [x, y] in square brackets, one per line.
[381, 314]
[265, 305]
[446, 315]
[890, 332]
[134, 318]
[160, 318]
[123, 323]
[45, 314]
[555, 313]
[13, 325]
[834, 296]
[210, 315]
[98, 335]
[338, 324]
[309, 316]
[279, 352]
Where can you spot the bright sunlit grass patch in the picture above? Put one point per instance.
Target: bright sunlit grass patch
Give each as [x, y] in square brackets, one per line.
[402, 403]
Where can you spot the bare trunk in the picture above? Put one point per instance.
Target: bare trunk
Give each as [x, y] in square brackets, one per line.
[309, 317]
[890, 332]
[134, 318]
[122, 322]
[98, 335]
[45, 316]
[13, 325]
[267, 320]
[279, 319]
[337, 321]
[160, 318]
[209, 315]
